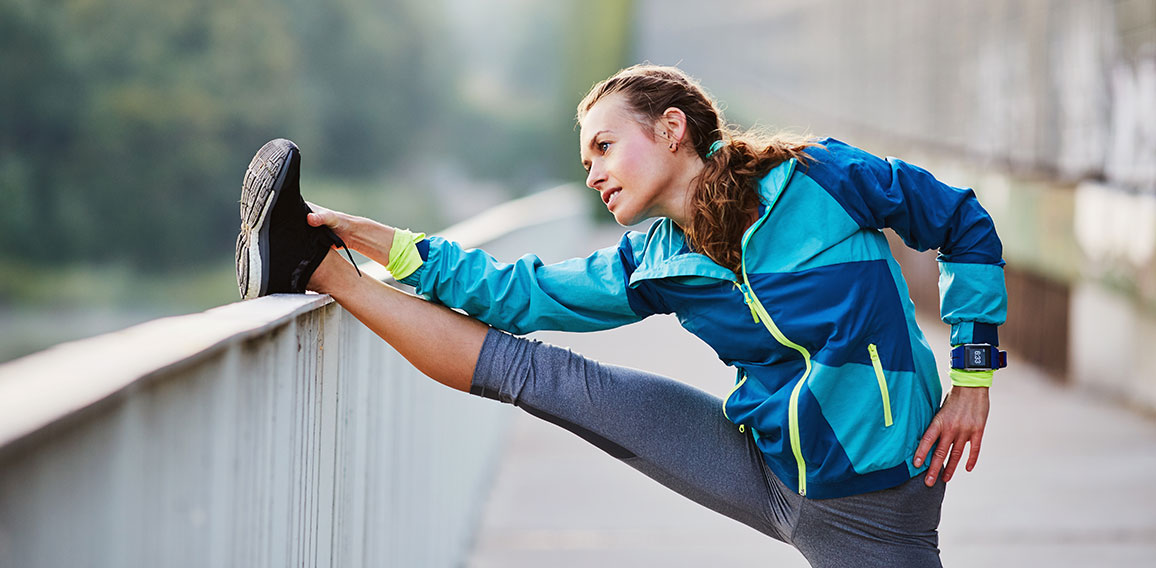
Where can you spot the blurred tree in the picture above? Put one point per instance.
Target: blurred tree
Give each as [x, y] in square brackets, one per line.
[126, 125]
[39, 115]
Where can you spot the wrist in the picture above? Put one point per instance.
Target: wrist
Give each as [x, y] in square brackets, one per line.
[970, 379]
[371, 238]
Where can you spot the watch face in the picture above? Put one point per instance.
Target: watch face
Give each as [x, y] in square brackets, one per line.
[976, 357]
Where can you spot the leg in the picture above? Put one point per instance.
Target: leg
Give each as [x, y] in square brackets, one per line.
[893, 527]
[440, 342]
[670, 431]
[278, 251]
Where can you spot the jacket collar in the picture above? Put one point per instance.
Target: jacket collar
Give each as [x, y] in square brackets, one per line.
[667, 255]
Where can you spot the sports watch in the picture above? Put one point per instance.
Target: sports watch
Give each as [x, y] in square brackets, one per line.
[978, 357]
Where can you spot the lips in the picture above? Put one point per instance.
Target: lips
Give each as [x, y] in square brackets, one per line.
[609, 194]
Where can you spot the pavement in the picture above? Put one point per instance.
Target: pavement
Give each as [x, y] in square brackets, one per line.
[1065, 478]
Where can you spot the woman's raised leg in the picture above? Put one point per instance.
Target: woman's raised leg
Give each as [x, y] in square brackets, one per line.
[440, 342]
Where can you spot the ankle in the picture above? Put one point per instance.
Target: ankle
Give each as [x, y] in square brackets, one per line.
[330, 275]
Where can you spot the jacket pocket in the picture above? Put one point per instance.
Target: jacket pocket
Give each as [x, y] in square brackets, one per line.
[883, 392]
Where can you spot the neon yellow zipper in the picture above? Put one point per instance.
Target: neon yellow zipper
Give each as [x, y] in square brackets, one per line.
[729, 395]
[878, 365]
[758, 311]
[793, 408]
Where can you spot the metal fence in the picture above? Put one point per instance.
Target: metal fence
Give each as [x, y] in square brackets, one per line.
[272, 432]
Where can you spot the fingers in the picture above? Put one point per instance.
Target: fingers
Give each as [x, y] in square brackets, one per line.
[937, 459]
[953, 461]
[925, 443]
[948, 453]
[320, 215]
[323, 216]
[973, 454]
[928, 440]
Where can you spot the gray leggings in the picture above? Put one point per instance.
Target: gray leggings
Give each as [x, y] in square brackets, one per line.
[677, 435]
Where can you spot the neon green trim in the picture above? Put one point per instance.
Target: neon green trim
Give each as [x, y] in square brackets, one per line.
[747, 299]
[728, 398]
[961, 378]
[793, 408]
[878, 365]
[403, 256]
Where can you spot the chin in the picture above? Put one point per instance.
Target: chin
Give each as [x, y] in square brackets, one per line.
[629, 221]
[623, 219]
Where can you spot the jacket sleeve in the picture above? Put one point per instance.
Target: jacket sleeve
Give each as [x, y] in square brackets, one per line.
[927, 214]
[580, 294]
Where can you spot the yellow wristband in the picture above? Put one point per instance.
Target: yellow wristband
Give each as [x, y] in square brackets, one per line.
[961, 378]
[404, 258]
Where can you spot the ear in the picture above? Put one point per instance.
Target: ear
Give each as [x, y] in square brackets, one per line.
[672, 123]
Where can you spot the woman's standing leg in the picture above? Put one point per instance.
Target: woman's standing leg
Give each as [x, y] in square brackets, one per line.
[896, 527]
[672, 432]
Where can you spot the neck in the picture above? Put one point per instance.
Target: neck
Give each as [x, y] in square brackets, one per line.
[678, 206]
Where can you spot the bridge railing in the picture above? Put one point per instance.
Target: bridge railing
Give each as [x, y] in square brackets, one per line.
[271, 432]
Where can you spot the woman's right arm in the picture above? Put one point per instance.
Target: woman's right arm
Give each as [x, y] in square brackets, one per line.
[363, 235]
[580, 294]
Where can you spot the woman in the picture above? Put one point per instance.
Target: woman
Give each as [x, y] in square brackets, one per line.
[768, 249]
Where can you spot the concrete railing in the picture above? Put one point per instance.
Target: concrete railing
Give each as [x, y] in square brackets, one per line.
[272, 432]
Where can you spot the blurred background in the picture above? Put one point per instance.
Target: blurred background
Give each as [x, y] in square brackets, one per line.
[126, 125]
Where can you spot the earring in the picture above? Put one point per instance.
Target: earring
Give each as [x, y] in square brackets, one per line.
[674, 146]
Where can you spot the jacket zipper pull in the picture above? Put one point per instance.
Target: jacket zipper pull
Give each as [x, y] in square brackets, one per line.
[747, 299]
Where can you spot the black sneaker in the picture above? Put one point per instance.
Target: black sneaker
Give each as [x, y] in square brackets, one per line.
[277, 251]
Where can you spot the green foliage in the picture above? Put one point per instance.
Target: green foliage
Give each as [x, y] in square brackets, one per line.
[126, 125]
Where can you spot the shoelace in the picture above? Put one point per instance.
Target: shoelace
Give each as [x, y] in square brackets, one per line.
[341, 245]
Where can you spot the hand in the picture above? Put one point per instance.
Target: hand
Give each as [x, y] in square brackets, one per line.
[363, 235]
[959, 421]
[341, 223]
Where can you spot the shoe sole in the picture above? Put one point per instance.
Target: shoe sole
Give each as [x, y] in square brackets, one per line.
[259, 193]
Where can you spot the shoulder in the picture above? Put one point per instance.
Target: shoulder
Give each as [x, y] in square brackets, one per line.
[662, 237]
[832, 154]
[633, 246]
[843, 169]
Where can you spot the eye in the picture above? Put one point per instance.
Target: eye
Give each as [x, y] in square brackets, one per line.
[603, 146]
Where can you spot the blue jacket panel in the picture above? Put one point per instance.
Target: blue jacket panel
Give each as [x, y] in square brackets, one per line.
[836, 382]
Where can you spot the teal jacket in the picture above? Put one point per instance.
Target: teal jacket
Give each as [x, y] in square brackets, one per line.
[835, 380]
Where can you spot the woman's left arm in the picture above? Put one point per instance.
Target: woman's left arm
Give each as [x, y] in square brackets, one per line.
[929, 214]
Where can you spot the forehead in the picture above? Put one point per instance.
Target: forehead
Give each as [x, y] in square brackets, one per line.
[610, 113]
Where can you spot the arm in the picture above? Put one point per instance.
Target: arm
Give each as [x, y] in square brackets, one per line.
[581, 294]
[928, 214]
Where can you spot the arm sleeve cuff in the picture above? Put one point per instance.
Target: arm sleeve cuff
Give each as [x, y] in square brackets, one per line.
[961, 378]
[974, 332]
[404, 256]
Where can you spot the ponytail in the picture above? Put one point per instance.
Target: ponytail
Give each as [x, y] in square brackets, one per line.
[725, 198]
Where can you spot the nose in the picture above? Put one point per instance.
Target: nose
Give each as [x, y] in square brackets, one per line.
[595, 177]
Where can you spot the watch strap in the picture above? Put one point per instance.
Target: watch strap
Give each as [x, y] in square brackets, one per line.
[977, 357]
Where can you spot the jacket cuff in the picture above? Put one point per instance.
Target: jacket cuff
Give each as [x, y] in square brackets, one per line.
[963, 378]
[974, 332]
[405, 256]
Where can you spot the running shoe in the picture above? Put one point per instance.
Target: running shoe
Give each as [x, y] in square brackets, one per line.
[277, 251]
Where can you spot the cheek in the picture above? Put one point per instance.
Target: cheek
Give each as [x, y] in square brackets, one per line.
[636, 166]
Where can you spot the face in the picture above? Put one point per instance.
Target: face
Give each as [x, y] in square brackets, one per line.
[627, 163]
